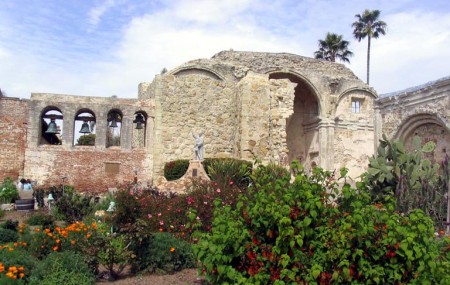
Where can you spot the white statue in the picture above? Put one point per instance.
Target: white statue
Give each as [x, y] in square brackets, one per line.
[199, 148]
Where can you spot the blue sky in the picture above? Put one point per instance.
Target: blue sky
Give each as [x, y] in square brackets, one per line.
[107, 47]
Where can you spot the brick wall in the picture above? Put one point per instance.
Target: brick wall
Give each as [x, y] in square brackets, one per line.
[13, 135]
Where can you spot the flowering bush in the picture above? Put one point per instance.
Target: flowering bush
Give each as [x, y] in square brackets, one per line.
[15, 263]
[285, 233]
[175, 169]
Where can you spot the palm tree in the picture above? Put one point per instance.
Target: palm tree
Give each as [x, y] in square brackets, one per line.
[368, 26]
[333, 47]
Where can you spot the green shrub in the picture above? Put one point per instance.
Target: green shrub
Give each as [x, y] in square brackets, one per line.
[72, 207]
[166, 254]
[88, 139]
[413, 180]
[115, 254]
[41, 219]
[10, 225]
[298, 233]
[16, 256]
[228, 171]
[8, 191]
[66, 268]
[175, 169]
[8, 236]
[2, 213]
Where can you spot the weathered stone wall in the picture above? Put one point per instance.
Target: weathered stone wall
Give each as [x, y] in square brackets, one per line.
[193, 103]
[354, 138]
[88, 168]
[13, 135]
[419, 111]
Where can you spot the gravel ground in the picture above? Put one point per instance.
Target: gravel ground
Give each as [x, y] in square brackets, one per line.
[185, 277]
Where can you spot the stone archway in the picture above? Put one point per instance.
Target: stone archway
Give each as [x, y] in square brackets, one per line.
[302, 126]
[429, 128]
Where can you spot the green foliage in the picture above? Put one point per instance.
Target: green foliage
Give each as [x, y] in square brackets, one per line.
[311, 231]
[88, 139]
[413, 180]
[72, 207]
[41, 219]
[2, 213]
[225, 171]
[8, 191]
[175, 169]
[115, 254]
[17, 257]
[65, 267]
[167, 254]
[7, 235]
[10, 225]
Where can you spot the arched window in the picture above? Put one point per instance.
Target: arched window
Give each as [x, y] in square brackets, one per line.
[139, 129]
[114, 128]
[51, 126]
[84, 128]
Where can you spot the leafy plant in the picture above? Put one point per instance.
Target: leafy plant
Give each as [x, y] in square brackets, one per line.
[175, 169]
[17, 264]
[72, 207]
[62, 268]
[7, 235]
[41, 219]
[10, 225]
[88, 139]
[115, 254]
[226, 171]
[311, 231]
[413, 180]
[8, 191]
[167, 254]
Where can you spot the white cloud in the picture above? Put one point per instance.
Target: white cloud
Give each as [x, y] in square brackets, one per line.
[97, 12]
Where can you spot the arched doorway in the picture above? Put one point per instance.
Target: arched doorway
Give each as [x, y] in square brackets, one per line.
[302, 126]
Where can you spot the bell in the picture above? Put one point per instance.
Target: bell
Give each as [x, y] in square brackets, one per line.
[85, 128]
[113, 123]
[112, 207]
[50, 198]
[139, 121]
[52, 127]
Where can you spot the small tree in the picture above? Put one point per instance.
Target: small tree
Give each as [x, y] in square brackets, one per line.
[86, 140]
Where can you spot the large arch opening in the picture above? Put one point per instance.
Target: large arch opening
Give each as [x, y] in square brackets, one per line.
[429, 128]
[302, 126]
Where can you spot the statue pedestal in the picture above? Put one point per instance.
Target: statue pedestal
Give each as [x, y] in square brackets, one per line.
[196, 170]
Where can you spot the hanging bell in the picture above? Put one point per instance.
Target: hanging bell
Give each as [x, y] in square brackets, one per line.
[50, 198]
[113, 123]
[139, 121]
[52, 127]
[85, 128]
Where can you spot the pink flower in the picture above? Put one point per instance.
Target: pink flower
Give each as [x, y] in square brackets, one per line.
[161, 223]
[159, 214]
[206, 203]
[218, 190]
[190, 200]
[198, 218]
[149, 216]
[231, 182]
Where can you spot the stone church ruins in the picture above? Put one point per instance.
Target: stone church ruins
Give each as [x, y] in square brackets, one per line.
[276, 106]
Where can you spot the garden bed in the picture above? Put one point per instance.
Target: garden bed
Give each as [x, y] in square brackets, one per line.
[184, 277]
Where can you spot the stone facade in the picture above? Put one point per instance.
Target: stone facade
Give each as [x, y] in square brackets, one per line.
[276, 107]
[422, 111]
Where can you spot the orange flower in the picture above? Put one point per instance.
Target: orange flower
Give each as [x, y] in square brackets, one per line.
[72, 242]
[55, 248]
[88, 235]
[58, 241]
[172, 249]
[21, 275]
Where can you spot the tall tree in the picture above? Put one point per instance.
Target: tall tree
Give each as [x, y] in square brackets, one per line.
[368, 25]
[332, 47]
